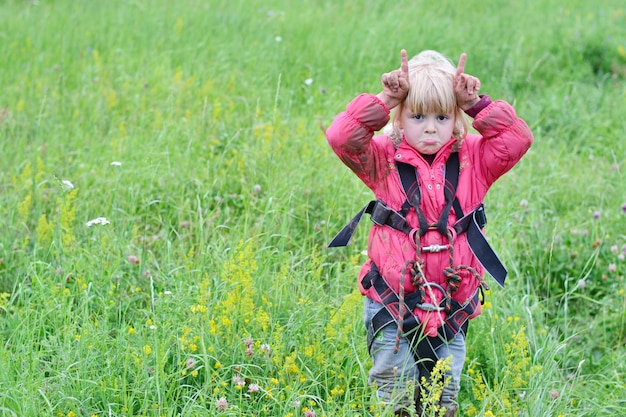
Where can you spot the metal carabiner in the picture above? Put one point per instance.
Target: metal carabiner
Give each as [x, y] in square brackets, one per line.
[430, 306]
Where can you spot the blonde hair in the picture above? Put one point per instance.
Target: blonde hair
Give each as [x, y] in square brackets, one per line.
[431, 77]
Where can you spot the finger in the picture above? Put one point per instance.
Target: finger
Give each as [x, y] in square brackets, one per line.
[474, 83]
[404, 63]
[385, 80]
[389, 80]
[471, 84]
[460, 69]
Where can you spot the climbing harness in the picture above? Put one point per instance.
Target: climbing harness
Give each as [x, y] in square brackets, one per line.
[398, 307]
[470, 223]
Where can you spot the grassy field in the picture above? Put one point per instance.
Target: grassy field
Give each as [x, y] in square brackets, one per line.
[195, 130]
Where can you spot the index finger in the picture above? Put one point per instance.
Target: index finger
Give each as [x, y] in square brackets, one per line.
[460, 69]
[404, 63]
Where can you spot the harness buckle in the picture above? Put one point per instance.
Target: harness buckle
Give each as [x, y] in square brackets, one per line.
[480, 216]
[380, 213]
[435, 248]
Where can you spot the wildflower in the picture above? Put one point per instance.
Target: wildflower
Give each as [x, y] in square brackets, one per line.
[582, 283]
[554, 394]
[222, 404]
[624, 208]
[116, 164]
[614, 249]
[253, 388]
[297, 403]
[596, 214]
[308, 81]
[278, 39]
[256, 189]
[166, 292]
[68, 184]
[97, 220]
[612, 268]
[309, 413]
[523, 203]
[190, 364]
[238, 381]
[147, 349]
[133, 259]
[248, 342]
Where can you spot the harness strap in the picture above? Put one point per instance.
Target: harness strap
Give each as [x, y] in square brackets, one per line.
[410, 183]
[408, 177]
[381, 215]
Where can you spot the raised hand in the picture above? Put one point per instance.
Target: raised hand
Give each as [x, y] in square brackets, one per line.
[395, 83]
[466, 86]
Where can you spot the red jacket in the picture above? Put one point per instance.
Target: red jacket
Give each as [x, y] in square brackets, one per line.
[504, 139]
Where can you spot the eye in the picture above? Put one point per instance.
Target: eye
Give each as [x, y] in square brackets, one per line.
[417, 116]
[442, 117]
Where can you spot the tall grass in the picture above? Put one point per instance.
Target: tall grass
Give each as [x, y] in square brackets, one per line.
[195, 128]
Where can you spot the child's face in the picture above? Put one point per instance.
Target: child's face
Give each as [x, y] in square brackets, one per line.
[428, 132]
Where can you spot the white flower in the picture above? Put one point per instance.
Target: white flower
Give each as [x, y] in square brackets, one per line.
[116, 164]
[278, 39]
[167, 292]
[308, 81]
[68, 184]
[98, 220]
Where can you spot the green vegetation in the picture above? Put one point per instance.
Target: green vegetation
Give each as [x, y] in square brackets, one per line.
[193, 128]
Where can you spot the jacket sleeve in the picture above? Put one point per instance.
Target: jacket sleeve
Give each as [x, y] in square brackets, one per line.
[351, 137]
[505, 139]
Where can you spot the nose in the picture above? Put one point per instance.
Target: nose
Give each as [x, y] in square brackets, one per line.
[430, 126]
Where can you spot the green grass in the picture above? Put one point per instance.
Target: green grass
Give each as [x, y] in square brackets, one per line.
[227, 195]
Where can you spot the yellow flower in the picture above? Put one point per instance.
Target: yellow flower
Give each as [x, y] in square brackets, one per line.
[147, 349]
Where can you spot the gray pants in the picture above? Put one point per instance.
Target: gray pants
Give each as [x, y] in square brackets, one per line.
[391, 371]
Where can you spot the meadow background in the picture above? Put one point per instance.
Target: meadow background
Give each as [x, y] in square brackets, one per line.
[195, 128]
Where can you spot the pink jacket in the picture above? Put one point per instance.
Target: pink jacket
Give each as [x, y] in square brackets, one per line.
[504, 139]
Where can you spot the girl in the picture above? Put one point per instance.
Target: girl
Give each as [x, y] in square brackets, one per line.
[421, 280]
